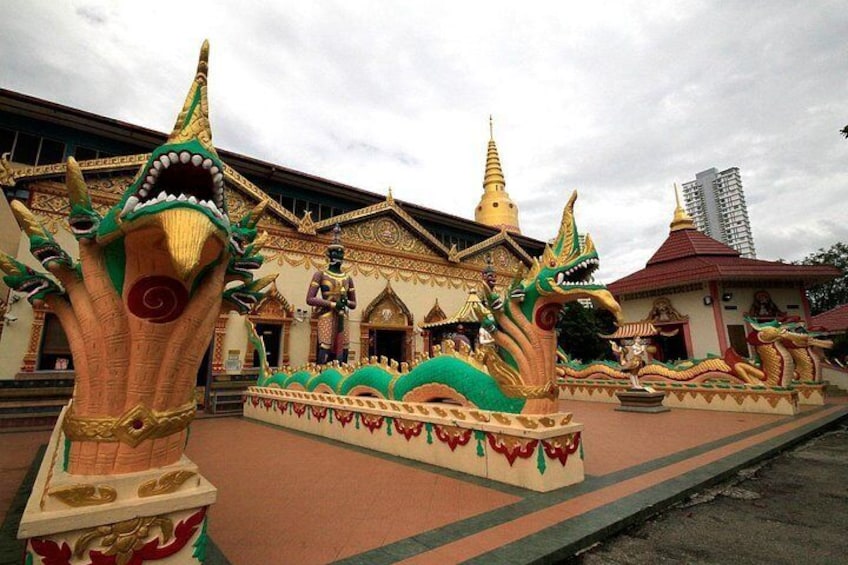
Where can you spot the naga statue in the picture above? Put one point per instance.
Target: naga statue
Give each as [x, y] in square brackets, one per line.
[516, 373]
[787, 353]
[140, 305]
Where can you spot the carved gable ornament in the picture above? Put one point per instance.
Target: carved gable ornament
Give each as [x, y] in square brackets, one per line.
[273, 306]
[436, 314]
[763, 307]
[662, 312]
[387, 310]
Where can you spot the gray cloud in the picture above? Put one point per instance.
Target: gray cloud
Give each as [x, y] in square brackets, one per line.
[617, 101]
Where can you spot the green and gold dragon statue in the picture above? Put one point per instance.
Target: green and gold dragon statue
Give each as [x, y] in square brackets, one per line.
[140, 305]
[787, 353]
[516, 373]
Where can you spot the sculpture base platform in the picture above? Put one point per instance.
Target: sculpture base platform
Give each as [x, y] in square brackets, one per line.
[155, 516]
[722, 397]
[640, 400]
[540, 453]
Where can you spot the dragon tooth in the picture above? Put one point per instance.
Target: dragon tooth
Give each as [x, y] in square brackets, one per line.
[214, 170]
[156, 166]
[151, 180]
[185, 157]
[165, 161]
[182, 198]
[174, 157]
[143, 193]
[218, 178]
[132, 202]
[192, 199]
[161, 196]
[207, 163]
[196, 160]
[153, 172]
[170, 198]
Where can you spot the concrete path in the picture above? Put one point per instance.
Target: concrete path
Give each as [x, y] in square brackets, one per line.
[285, 497]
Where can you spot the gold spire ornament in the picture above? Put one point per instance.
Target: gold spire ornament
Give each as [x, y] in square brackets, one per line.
[682, 220]
[496, 209]
[193, 120]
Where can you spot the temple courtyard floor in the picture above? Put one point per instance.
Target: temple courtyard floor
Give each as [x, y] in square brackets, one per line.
[286, 497]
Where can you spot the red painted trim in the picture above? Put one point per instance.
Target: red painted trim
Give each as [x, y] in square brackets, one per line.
[719, 319]
[687, 340]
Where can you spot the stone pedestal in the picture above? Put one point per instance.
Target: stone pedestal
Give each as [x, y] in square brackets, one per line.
[641, 400]
[154, 516]
[536, 452]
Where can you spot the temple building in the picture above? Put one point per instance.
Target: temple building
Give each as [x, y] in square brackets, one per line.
[406, 260]
[700, 290]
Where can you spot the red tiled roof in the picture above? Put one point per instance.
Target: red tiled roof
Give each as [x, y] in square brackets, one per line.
[687, 243]
[688, 256]
[834, 320]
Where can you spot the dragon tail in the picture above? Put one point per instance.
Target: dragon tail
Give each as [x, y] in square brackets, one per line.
[259, 346]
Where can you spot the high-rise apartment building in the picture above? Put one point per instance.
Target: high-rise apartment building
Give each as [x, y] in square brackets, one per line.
[716, 203]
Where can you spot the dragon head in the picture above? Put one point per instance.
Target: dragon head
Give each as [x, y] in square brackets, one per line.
[563, 274]
[178, 194]
[244, 297]
[21, 278]
[41, 244]
[249, 259]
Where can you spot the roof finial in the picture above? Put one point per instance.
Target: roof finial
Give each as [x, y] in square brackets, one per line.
[495, 208]
[389, 198]
[682, 220]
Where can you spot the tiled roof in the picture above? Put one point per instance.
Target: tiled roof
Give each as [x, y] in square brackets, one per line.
[472, 312]
[688, 256]
[834, 320]
[688, 243]
[633, 329]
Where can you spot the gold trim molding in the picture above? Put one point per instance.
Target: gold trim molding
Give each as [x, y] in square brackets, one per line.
[85, 495]
[166, 484]
[133, 427]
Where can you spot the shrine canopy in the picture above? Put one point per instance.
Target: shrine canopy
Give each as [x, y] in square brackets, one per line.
[688, 256]
[470, 314]
[630, 330]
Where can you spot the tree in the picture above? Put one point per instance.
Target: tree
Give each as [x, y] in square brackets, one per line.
[831, 294]
[578, 330]
[844, 131]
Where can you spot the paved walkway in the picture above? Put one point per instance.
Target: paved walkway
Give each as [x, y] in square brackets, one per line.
[285, 497]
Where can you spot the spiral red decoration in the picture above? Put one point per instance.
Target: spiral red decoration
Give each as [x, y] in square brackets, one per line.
[157, 299]
[547, 315]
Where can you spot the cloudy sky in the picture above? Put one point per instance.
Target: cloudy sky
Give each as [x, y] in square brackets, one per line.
[618, 101]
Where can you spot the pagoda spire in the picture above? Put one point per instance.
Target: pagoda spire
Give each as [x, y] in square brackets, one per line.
[682, 220]
[495, 208]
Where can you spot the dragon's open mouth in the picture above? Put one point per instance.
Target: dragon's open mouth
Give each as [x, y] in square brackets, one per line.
[246, 265]
[47, 253]
[33, 286]
[578, 274]
[181, 177]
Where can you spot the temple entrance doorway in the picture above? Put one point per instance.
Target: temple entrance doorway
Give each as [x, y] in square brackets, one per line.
[386, 328]
[271, 335]
[388, 343]
[671, 347]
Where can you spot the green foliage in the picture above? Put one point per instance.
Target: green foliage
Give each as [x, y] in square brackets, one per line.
[578, 332]
[829, 295]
